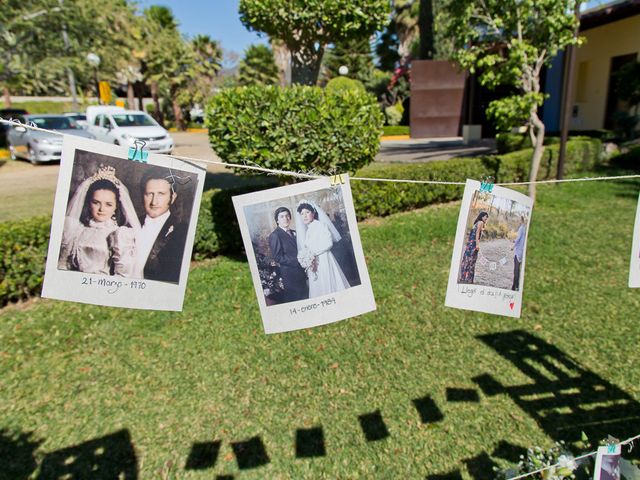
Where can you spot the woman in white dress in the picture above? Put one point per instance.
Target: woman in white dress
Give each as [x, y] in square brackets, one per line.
[101, 227]
[316, 235]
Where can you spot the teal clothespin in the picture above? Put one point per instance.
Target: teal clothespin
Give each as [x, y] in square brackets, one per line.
[136, 153]
[486, 185]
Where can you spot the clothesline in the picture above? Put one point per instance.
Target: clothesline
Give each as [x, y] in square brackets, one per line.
[581, 457]
[272, 171]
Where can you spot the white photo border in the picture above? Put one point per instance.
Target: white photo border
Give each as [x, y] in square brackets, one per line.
[614, 450]
[634, 264]
[482, 298]
[316, 311]
[114, 291]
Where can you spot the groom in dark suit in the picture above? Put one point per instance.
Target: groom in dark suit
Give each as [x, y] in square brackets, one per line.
[160, 248]
[284, 249]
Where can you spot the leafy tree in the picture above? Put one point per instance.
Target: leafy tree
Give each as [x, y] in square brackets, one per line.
[207, 55]
[308, 26]
[258, 67]
[353, 53]
[508, 42]
[34, 55]
[169, 60]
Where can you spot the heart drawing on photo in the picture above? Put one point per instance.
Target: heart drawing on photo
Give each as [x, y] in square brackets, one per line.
[511, 304]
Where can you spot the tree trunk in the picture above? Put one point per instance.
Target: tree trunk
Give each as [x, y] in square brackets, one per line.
[177, 113]
[156, 103]
[425, 22]
[282, 57]
[7, 97]
[131, 98]
[537, 139]
[305, 65]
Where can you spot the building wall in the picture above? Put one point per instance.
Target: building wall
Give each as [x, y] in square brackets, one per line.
[593, 65]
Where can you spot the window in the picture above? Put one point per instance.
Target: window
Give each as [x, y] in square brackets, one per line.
[133, 120]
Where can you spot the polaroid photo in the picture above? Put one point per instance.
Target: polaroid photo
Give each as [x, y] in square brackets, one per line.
[305, 255]
[607, 463]
[634, 268]
[487, 265]
[122, 230]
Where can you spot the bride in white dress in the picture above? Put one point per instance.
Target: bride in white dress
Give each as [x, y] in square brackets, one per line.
[316, 235]
[101, 228]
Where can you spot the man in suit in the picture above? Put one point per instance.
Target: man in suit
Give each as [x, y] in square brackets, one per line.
[284, 249]
[160, 248]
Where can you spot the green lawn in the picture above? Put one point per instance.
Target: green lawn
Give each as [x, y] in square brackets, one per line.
[71, 374]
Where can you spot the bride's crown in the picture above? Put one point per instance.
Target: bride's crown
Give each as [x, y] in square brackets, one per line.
[106, 172]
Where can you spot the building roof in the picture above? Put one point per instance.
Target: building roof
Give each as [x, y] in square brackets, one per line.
[608, 13]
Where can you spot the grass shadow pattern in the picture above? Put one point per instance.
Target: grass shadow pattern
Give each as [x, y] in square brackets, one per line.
[563, 397]
[108, 457]
[310, 443]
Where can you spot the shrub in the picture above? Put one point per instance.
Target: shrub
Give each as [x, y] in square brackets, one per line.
[393, 114]
[296, 128]
[384, 198]
[23, 251]
[629, 159]
[511, 142]
[395, 130]
[342, 84]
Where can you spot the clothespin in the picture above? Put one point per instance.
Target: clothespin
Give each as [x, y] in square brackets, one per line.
[486, 185]
[136, 153]
[337, 179]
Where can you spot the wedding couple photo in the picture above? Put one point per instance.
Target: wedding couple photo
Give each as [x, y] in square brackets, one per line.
[126, 219]
[302, 246]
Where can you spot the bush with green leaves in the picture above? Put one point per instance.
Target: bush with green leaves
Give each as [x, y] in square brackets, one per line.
[23, 251]
[296, 128]
[341, 84]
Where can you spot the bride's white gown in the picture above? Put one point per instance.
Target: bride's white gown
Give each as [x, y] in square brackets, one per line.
[328, 278]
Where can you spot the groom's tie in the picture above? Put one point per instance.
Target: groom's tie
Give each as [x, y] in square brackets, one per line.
[290, 232]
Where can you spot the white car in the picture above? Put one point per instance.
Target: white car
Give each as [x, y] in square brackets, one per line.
[123, 127]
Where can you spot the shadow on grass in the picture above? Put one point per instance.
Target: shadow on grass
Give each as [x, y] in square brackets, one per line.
[108, 457]
[203, 455]
[310, 443]
[564, 398]
[250, 453]
[17, 455]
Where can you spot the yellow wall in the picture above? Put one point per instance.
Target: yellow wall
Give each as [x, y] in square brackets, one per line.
[593, 65]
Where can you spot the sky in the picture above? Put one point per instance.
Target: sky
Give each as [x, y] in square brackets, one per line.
[217, 18]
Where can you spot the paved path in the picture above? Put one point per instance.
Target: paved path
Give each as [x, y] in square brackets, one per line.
[423, 150]
[493, 251]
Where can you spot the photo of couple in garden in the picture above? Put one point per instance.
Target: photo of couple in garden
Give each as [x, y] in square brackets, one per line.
[303, 246]
[304, 252]
[121, 219]
[488, 259]
[494, 247]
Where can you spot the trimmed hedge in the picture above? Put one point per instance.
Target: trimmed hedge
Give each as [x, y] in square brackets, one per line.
[23, 244]
[23, 249]
[298, 128]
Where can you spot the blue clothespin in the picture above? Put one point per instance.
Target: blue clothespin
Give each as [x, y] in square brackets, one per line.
[611, 448]
[136, 153]
[486, 185]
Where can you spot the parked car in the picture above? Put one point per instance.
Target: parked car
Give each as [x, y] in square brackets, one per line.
[123, 127]
[7, 114]
[79, 118]
[37, 146]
